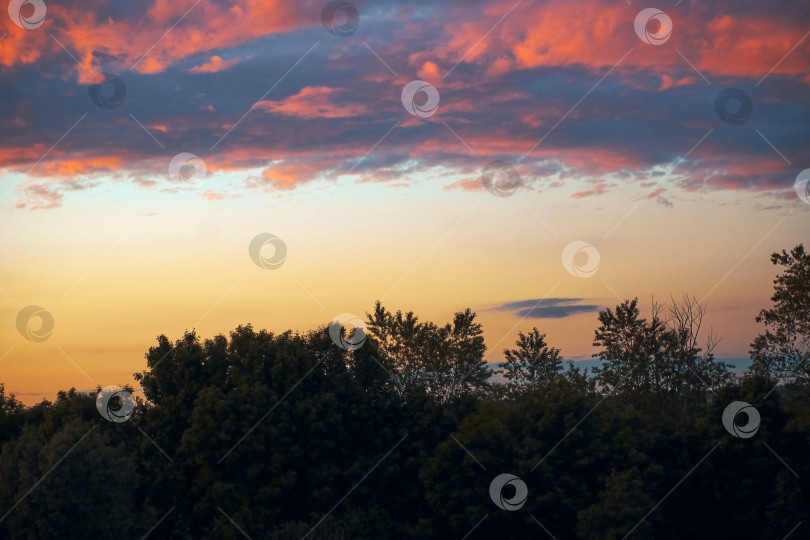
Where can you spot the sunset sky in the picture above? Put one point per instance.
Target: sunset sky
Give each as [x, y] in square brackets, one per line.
[622, 140]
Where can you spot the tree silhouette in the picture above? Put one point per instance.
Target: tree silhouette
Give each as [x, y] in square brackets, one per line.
[782, 351]
[656, 359]
[532, 362]
[446, 362]
[288, 435]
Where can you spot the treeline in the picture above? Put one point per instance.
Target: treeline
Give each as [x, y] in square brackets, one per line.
[398, 431]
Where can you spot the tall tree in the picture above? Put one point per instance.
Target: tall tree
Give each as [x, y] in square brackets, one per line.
[532, 362]
[631, 349]
[11, 415]
[70, 474]
[694, 369]
[782, 351]
[444, 361]
[659, 357]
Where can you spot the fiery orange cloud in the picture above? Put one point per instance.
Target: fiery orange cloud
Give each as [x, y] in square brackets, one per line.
[145, 44]
[597, 34]
[500, 66]
[287, 175]
[591, 33]
[12, 155]
[669, 82]
[751, 46]
[313, 102]
[429, 72]
[216, 64]
[72, 167]
[75, 165]
[21, 46]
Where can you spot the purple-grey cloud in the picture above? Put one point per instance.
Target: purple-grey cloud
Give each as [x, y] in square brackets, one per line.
[548, 308]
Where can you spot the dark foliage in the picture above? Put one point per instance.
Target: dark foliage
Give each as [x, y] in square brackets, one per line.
[290, 436]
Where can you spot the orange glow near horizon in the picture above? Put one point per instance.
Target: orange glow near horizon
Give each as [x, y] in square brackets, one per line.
[132, 278]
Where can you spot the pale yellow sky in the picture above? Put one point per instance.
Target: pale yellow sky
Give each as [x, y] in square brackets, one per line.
[114, 276]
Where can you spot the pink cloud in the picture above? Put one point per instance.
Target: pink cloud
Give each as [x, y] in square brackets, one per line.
[597, 34]
[314, 102]
[215, 65]
[597, 189]
[156, 40]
